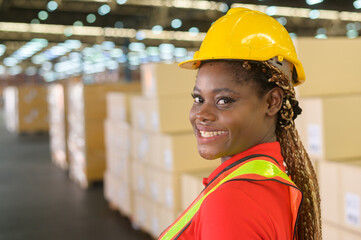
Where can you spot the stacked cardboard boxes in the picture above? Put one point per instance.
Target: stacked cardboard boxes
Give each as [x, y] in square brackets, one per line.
[163, 145]
[117, 179]
[330, 128]
[26, 109]
[58, 125]
[86, 115]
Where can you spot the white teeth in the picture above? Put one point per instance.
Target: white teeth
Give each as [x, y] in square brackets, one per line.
[211, 134]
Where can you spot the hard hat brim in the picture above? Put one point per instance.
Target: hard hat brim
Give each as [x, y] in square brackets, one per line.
[194, 64]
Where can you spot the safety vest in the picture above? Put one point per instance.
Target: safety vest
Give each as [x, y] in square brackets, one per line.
[251, 168]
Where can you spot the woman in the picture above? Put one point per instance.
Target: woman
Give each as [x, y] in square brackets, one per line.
[243, 112]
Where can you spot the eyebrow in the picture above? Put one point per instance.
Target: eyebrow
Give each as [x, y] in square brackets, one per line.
[218, 90]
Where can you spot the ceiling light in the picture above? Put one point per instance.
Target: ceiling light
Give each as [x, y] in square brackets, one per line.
[140, 35]
[52, 6]
[157, 29]
[314, 14]
[313, 2]
[120, 2]
[78, 23]
[68, 31]
[2, 70]
[119, 24]
[223, 7]
[136, 46]
[2, 49]
[91, 18]
[193, 31]
[176, 23]
[73, 43]
[357, 4]
[10, 61]
[271, 11]
[282, 20]
[30, 71]
[352, 33]
[104, 9]
[35, 21]
[43, 15]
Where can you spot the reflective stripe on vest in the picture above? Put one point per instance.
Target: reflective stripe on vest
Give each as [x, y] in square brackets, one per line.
[254, 169]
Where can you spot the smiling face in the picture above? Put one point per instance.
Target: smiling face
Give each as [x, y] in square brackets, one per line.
[229, 116]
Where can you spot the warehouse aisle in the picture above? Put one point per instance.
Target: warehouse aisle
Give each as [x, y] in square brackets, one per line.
[38, 201]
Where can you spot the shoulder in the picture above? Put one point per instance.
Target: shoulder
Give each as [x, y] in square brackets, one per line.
[251, 209]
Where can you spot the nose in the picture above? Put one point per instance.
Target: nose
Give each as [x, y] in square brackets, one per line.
[203, 113]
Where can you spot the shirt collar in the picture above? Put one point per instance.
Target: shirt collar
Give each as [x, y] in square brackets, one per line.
[272, 149]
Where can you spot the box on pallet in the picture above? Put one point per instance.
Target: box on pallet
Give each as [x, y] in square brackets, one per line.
[159, 79]
[330, 127]
[87, 111]
[331, 231]
[167, 151]
[117, 134]
[26, 108]
[163, 114]
[118, 105]
[58, 125]
[118, 192]
[340, 189]
[191, 186]
[140, 179]
[331, 65]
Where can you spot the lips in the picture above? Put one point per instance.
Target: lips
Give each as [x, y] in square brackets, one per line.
[206, 134]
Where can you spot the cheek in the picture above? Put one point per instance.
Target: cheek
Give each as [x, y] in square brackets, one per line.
[192, 114]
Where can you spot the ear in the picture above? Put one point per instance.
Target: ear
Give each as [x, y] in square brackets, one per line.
[274, 100]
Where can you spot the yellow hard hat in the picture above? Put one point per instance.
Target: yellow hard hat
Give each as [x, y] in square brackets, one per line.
[245, 34]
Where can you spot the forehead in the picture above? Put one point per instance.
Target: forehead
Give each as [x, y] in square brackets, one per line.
[218, 74]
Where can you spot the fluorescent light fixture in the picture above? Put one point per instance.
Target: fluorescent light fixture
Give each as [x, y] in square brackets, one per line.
[52, 6]
[73, 43]
[314, 14]
[108, 45]
[78, 23]
[140, 35]
[15, 70]
[31, 71]
[282, 20]
[2, 70]
[35, 21]
[357, 4]
[10, 61]
[313, 2]
[120, 2]
[2, 49]
[157, 29]
[118, 24]
[104, 9]
[43, 15]
[176, 23]
[193, 31]
[352, 33]
[136, 46]
[271, 11]
[91, 18]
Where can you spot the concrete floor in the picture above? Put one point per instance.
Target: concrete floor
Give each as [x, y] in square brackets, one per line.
[38, 200]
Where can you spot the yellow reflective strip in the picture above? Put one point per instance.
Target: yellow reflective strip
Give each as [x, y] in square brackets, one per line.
[259, 167]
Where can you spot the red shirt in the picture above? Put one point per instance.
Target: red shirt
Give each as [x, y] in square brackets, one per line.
[244, 209]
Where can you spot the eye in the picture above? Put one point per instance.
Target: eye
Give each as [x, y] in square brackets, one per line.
[224, 100]
[197, 98]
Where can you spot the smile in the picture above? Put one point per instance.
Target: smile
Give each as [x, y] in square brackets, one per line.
[211, 134]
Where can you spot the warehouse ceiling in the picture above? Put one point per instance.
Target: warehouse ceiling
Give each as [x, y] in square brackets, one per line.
[126, 21]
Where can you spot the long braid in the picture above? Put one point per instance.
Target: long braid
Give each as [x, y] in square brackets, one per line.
[297, 160]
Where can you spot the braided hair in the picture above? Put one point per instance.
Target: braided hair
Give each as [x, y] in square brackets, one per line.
[265, 77]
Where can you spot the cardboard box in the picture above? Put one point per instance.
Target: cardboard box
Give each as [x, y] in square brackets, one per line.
[117, 134]
[142, 213]
[161, 218]
[350, 201]
[167, 151]
[163, 115]
[118, 192]
[58, 125]
[140, 179]
[118, 106]
[331, 65]
[330, 191]
[159, 79]
[330, 127]
[330, 231]
[192, 186]
[119, 163]
[26, 109]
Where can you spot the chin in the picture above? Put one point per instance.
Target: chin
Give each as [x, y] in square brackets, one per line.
[208, 155]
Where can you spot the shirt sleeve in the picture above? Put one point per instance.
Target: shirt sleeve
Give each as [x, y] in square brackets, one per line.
[245, 210]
